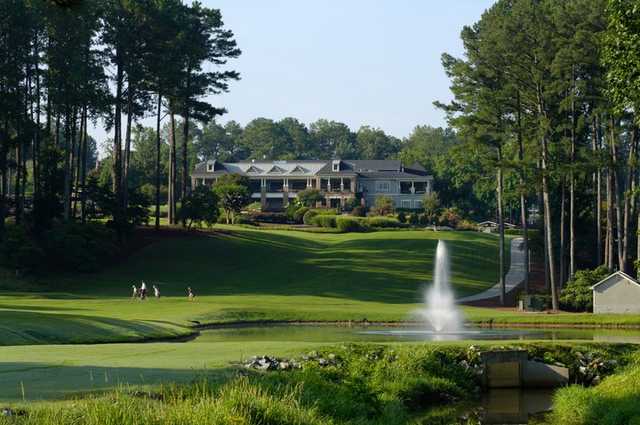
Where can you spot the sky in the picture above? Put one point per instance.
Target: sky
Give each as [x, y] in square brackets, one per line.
[361, 62]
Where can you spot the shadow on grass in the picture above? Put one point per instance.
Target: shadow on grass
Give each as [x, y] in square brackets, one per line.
[29, 327]
[244, 262]
[42, 381]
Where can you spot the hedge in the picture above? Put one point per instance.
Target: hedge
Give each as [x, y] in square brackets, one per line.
[350, 224]
[325, 220]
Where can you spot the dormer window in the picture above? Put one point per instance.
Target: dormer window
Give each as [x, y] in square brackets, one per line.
[210, 167]
[335, 166]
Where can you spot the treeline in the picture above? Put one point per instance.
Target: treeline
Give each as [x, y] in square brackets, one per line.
[109, 61]
[545, 102]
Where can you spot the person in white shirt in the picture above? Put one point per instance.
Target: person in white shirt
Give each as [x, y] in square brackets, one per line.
[156, 291]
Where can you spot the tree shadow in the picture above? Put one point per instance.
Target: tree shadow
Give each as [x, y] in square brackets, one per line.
[43, 381]
[30, 327]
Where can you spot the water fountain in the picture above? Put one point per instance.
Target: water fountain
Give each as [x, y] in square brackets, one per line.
[441, 312]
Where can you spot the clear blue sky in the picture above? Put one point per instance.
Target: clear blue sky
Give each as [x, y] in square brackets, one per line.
[373, 62]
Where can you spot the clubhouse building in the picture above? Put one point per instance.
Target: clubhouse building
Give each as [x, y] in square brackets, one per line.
[275, 183]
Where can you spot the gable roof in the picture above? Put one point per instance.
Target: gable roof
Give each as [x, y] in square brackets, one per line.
[276, 170]
[253, 169]
[299, 169]
[618, 273]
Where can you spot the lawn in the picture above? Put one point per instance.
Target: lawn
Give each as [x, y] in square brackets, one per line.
[241, 274]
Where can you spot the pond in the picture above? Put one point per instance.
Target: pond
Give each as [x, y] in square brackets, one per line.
[381, 334]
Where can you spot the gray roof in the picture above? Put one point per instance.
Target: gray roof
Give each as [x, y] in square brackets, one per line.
[363, 168]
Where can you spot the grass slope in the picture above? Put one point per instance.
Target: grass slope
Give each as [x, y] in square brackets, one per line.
[243, 274]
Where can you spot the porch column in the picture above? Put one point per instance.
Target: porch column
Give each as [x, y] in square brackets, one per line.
[413, 187]
[341, 184]
[285, 193]
[353, 184]
[263, 193]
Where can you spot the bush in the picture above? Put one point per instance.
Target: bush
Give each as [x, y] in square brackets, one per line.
[298, 215]
[359, 211]
[270, 217]
[402, 218]
[307, 218]
[467, 225]
[414, 219]
[383, 206]
[349, 224]
[19, 251]
[450, 217]
[383, 222]
[199, 206]
[577, 294]
[325, 220]
[309, 197]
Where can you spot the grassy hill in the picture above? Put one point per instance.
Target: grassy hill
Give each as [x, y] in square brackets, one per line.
[244, 274]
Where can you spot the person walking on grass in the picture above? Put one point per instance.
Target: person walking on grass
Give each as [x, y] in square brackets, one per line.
[156, 291]
[134, 295]
[143, 290]
[190, 293]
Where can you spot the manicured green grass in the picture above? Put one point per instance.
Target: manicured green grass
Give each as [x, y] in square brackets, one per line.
[240, 274]
[615, 401]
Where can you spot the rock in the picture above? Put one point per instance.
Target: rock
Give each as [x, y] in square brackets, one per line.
[7, 411]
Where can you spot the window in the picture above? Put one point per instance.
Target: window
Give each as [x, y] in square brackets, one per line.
[417, 204]
[210, 168]
[382, 187]
[406, 204]
[336, 166]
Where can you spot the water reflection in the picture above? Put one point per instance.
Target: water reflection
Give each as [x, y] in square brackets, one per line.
[514, 406]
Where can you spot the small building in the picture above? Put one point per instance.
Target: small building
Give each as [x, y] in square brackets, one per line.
[617, 293]
[492, 227]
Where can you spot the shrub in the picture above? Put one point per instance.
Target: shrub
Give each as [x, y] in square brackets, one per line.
[450, 217]
[81, 247]
[414, 219]
[467, 225]
[402, 218]
[199, 206]
[577, 294]
[382, 206]
[270, 217]
[359, 211]
[19, 251]
[349, 224]
[307, 218]
[383, 222]
[298, 215]
[309, 197]
[325, 220]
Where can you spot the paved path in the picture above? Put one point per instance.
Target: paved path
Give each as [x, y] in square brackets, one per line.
[513, 279]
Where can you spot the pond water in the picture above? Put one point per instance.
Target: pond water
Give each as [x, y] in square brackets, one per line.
[340, 334]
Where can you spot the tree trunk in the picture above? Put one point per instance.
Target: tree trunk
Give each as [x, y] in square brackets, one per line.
[628, 194]
[185, 159]
[83, 166]
[503, 293]
[117, 147]
[616, 195]
[547, 223]
[67, 165]
[572, 183]
[523, 199]
[563, 250]
[610, 210]
[127, 150]
[157, 224]
[172, 168]
[597, 181]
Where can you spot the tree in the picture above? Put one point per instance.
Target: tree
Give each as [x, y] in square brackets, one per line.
[233, 192]
[199, 206]
[383, 206]
[431, 205]
[333, 140]
[375, 144]
[263, 138]
[309, 197]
